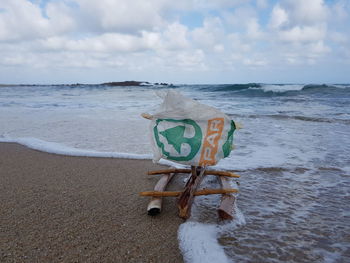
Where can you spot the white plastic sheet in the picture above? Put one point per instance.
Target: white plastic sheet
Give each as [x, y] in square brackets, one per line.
[188, 132]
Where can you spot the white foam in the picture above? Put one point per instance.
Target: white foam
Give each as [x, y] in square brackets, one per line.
[230, 225]
[56, 148]
[346, 169]
[282, 88]
[198, 243]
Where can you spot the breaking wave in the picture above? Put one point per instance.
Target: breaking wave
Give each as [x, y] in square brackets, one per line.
[258, 89]
[292, 117]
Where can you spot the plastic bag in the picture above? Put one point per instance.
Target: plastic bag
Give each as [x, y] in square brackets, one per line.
[188, 132]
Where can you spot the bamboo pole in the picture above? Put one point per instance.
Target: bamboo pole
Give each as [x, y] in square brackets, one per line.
[199, 192]
[155, 205]
[208, 172]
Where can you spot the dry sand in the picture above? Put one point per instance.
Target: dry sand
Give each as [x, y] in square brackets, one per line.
[78, 209]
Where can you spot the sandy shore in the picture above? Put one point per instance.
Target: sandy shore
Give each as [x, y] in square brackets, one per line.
[78, 209]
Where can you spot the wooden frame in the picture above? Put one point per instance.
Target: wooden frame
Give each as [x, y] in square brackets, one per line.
[186, 196]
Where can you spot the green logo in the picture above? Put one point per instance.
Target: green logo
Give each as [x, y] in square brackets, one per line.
[227, 147]
[175, 137]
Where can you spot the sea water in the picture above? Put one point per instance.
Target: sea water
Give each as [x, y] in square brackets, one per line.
[293, 155]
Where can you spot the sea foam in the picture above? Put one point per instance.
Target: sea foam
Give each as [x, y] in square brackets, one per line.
[198, 243]
[57, 148]
[61, 149]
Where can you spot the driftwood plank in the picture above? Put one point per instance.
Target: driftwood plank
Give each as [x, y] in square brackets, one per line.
[225, 210]
[155, 205]
[185, 199]
[177, 193]
[207, 172]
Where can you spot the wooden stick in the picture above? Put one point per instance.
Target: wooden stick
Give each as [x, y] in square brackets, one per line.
[225, 210]
[167, 171]
[199, 192]
[147, 116]
[209, 172]
[155, 205]
[185, 199]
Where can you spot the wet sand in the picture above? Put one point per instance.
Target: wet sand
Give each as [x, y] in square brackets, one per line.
[80, 209]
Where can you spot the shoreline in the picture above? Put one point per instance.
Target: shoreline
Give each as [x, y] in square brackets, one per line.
[59, 208]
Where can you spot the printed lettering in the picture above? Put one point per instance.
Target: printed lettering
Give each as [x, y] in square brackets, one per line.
[211, 141]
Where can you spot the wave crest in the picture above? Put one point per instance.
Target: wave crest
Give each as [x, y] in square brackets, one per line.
[258, 89]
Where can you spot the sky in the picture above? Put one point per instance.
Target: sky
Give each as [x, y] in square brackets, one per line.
[181, 41]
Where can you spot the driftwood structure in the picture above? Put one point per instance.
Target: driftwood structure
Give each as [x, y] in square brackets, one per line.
[186, 196]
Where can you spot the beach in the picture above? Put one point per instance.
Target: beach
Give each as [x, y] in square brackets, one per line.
[57, 208]
[72, 195]
[95, 94]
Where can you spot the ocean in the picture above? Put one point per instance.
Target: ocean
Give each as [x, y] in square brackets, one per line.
[293, 155]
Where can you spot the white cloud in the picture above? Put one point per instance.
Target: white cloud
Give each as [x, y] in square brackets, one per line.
[121, 16]
[140, 36]
[210, 34]
[262, 4]
[279, 17]
[303, 34]
[298, 31]
[238, 44]
[22, 20]
[253, 29]
[191, 60]
[239, 17]
[15, 60]
[298, 20]
[339, 38]
[108, 42]
[319, 48]
[306, 12]
[61, 17]
[217, 4]
[254, 62]
[340, 10]
[176, 36]
[219, 48]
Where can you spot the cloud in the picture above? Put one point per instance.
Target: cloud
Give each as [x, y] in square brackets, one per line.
[190, 60]
[255, 62]
[175, 36]
[298, 31]
[61, 17]
[108, 42]
[306, 12]
[340, 10]
[299, 21]
[143, 36]
[253, 29]
[22, 20]
[303, 34]
[209, 34]
[279, 17]
[119, 15]
[261, 4]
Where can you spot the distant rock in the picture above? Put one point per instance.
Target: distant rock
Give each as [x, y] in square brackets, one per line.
[134, 83]
[114, 83]
[163, 84]
[127, 83]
